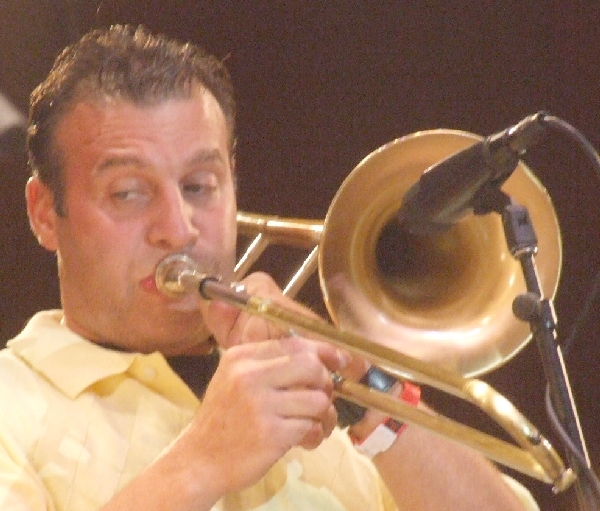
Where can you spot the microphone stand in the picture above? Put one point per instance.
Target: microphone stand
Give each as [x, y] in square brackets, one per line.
[539, 312]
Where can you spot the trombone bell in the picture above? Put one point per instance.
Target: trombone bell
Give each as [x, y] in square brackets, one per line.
[447, 298]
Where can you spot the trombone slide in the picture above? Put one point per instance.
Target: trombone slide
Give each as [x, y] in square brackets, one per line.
[177, 275]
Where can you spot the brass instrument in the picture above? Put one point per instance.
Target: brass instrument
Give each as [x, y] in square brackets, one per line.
[436, 310]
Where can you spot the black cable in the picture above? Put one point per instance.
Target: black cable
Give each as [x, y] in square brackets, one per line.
[592, 154]
[584, 469]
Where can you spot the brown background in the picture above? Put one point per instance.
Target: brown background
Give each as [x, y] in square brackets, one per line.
[320, 87]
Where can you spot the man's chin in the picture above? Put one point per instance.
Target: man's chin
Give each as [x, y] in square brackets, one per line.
[186, 334]
[194, 347]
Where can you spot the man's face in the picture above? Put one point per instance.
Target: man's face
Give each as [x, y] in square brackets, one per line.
[141, 182]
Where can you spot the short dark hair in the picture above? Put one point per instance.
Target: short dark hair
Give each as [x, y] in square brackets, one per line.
[121, 61]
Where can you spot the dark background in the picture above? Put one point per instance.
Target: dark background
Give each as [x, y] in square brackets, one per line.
[319, 88]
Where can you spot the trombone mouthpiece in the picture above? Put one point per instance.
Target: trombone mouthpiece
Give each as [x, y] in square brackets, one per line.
[177, 275]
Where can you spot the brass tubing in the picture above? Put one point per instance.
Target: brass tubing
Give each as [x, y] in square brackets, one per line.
[536, 457]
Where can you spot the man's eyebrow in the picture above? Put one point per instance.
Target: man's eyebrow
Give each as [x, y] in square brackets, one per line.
[203, 156]
[207, 156]
[119, 161]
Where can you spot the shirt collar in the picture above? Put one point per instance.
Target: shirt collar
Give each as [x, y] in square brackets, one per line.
[73, 363]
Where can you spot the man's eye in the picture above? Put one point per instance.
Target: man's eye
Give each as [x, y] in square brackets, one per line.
[200, 184]
[199, 190]
[124, 195]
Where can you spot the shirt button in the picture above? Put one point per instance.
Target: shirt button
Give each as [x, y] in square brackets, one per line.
[148, 373]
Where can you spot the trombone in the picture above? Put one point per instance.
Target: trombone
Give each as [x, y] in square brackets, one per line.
[439, 306]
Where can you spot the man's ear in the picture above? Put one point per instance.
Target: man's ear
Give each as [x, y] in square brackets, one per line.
[42, 216]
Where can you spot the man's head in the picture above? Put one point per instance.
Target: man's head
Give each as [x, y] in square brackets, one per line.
[121, 62]
[131, 143]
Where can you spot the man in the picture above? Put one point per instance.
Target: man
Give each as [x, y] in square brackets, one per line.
[131, 145]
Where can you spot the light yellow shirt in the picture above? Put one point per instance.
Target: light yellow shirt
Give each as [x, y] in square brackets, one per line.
[78, 421]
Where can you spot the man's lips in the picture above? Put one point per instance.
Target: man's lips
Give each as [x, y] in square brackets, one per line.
[149, 284]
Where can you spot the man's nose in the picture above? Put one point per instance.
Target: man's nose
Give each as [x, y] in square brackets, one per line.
[173, 222]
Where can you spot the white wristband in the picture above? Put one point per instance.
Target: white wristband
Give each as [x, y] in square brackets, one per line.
[381, 438]
[384, 435]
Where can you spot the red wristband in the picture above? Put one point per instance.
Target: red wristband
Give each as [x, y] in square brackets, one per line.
[384, 435]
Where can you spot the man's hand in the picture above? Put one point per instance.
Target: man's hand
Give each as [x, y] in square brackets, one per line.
[272, 391]
[265, 398]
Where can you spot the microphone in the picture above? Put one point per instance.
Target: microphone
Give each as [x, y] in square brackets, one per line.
[467, 180]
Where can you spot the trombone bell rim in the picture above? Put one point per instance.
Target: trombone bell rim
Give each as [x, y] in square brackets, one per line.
[450, 301]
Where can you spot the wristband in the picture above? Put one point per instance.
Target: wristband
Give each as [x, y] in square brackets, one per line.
[384, 435]
[350, 413]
